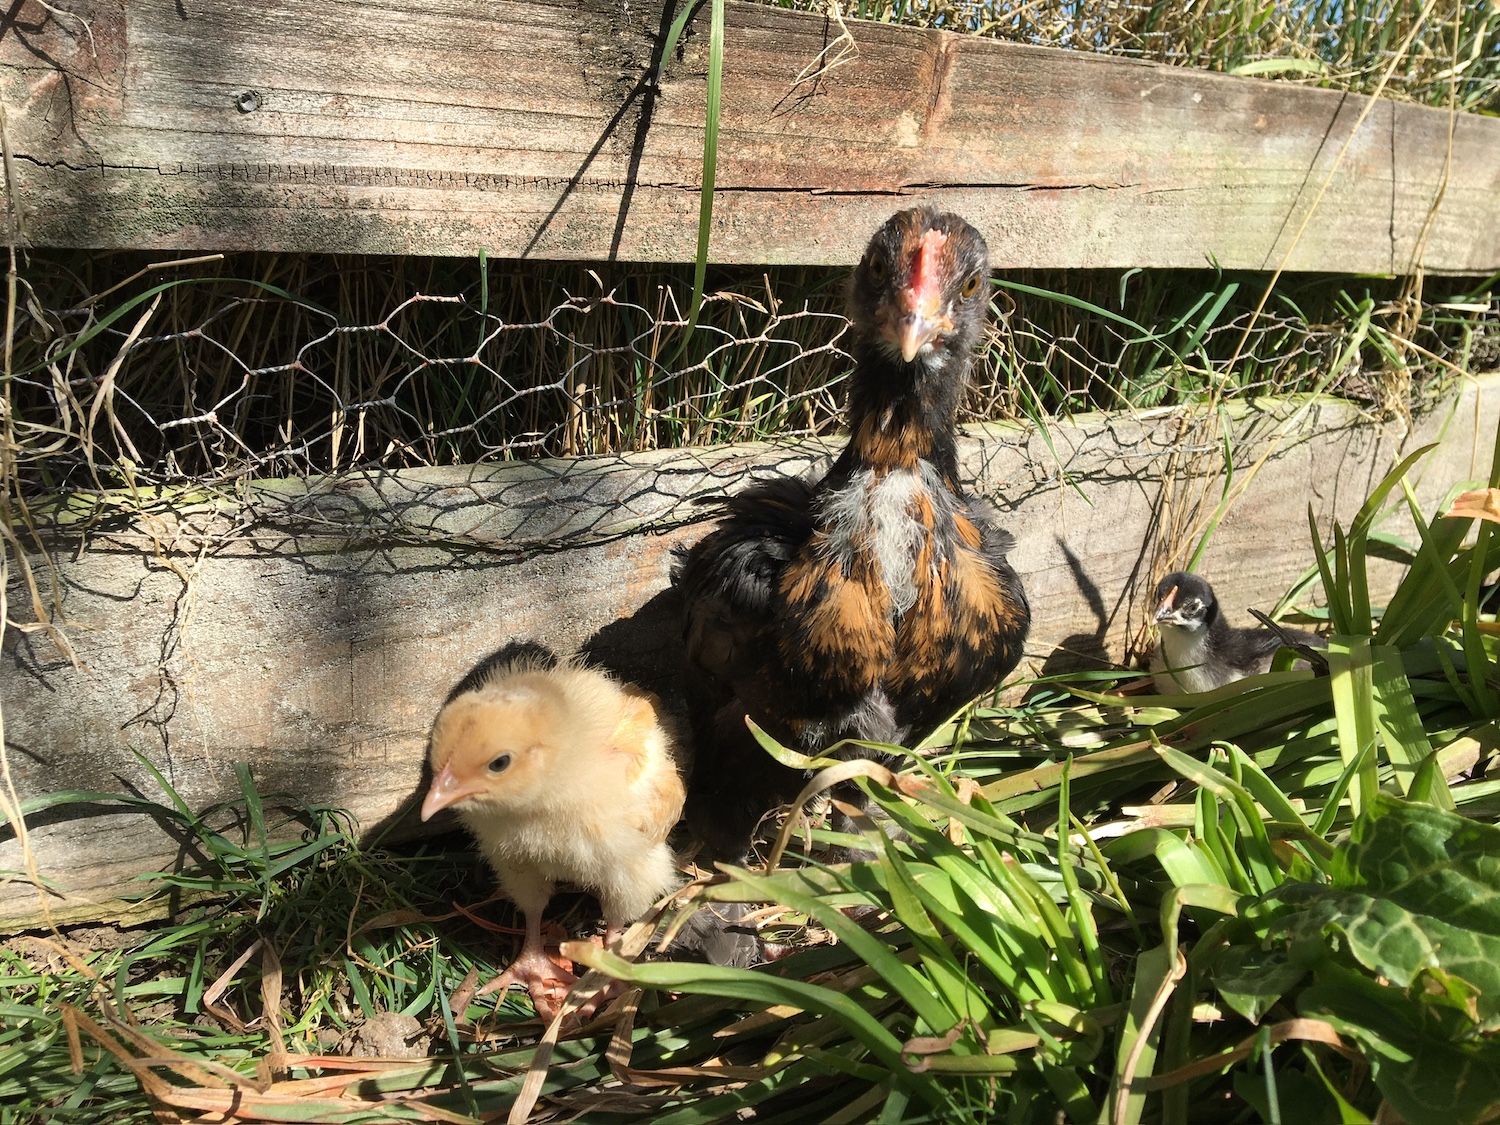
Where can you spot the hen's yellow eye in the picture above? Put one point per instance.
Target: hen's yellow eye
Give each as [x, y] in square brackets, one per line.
[877, 268]
[971, 286]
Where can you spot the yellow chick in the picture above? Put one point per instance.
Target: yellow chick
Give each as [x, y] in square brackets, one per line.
[561, 774]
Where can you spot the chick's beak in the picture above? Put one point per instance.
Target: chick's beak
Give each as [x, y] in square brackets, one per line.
[1167, 608]
[446, 790]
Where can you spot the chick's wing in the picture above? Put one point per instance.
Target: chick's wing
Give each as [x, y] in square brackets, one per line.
[655, 792]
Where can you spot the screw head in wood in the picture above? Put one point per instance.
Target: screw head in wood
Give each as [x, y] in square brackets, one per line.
[247, 102]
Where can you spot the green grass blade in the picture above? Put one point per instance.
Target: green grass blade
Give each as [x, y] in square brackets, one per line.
[1351, 680]
[104, 322]
[1428, 596]
[1329, 814]
[896, 973]
[1081, 917]
[1401, 729]
[710, 161]
[764, 988]
[256, 813]
[1338, 606]
[951, 983]
[1226, 497]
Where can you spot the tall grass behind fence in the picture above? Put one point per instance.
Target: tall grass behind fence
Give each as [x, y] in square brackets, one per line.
[1438, 52]
[203, 374]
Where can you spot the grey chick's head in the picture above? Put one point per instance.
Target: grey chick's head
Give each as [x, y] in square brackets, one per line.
[1185, 601]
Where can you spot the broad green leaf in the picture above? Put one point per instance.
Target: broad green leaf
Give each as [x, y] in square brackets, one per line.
[1251, 978]
[1428, 1078]
[1416, 888]
[1347, 1114]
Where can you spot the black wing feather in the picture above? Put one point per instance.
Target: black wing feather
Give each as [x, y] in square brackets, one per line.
[1251, 650]
[729, 582]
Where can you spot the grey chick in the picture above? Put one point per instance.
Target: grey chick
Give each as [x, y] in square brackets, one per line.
[1199, 650]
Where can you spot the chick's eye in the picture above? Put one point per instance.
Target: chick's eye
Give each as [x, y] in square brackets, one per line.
[878, 268]
[971, 286]
[500, 764]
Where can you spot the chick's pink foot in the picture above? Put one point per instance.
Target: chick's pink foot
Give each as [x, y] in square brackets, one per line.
[547, 977]
[546, 981]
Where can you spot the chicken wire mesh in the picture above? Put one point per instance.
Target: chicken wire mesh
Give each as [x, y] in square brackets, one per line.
[214, 372]
[286, 404]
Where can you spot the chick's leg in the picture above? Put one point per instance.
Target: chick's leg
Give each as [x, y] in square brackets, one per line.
[632, 892]
[544, 979]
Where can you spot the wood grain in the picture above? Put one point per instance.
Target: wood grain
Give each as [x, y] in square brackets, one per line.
[314, 630]
[551, 129]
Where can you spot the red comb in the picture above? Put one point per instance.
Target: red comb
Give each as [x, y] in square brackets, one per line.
[924, 275]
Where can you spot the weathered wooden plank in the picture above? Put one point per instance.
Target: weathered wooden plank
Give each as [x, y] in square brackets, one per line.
[534, 128]
[313, 630]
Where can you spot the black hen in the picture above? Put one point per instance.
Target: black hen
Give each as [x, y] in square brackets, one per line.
[1199, 650]
[875, 602]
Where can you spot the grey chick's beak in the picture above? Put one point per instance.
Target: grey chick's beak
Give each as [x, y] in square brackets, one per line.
[1166, 611]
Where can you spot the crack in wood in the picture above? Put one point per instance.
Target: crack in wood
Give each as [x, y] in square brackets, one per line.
[939, 100]
[355, 175]
[40, 163]
[444, 179]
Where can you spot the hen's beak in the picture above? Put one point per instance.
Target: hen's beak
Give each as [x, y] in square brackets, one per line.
[1167, 608]
[915, 330]
[918, 321]
[446, 790]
